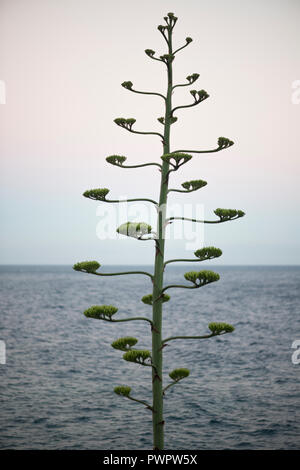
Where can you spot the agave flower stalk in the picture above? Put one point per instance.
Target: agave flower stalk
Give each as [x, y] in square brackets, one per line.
[170, 161]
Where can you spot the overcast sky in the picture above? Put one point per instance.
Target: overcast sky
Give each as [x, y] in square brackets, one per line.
[62, 62]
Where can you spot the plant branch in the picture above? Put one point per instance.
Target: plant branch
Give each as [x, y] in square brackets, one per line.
[218, 149]
[182, 190]
[170, 385]
[187, 260]
[201, 221]
[145, 133]
[139, 166]
[114, 201]
[130, 200]
[188, 337]
[185, 106]
[123, 273]
[128, 319]
[179, 286]
[180, 48]
[148, 93]
[141, 401]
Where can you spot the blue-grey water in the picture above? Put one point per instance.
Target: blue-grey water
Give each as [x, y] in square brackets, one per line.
[57, 383]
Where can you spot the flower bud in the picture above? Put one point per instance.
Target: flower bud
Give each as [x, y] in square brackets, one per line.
[218, 328]
[123, 390]
[149, 52]
[208, 253]
[179, 374]
[194, 184]
[117, 160]
[134, 229]
[137, 356]
[124, 344]
[201, 278]
[100, 312]
[87, 266]
[96, 194]
[127, 85]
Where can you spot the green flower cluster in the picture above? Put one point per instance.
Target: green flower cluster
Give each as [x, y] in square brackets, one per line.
[125, 123]
[124, 344]
[192, 78]
[227, 214]
[134, 229]
[218, 328]
[208, 253]
[100, 312]
[179, 159]
[123, 390]
[87, 266]
[150, 52]
[199, 96]
[98, 194]
[127, 85]
[137, 356]
[161, 28]
[179, 374]
[147, 299]
[194, 185]
[117, 160]
[201, 278]
[223, 142]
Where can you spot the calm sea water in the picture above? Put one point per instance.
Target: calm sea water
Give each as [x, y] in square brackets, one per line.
[57, 384]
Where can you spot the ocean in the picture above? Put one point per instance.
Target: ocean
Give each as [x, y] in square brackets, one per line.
[57, 383]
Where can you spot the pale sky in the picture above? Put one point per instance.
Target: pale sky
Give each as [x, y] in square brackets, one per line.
[62, 63]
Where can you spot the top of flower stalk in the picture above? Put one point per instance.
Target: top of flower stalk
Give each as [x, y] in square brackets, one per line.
[87, 266]
[100, 312]
[200, 278]
[123, 390]
[134, 229]
[116, 160]
[178, 374]
[124, 344]
[218, 328]
[208, 252]
[227, 214]
[188, 39]
[194, 184]
[170, 19]
[98, 194]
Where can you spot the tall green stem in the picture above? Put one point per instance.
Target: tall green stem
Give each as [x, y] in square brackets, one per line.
[157, 355]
